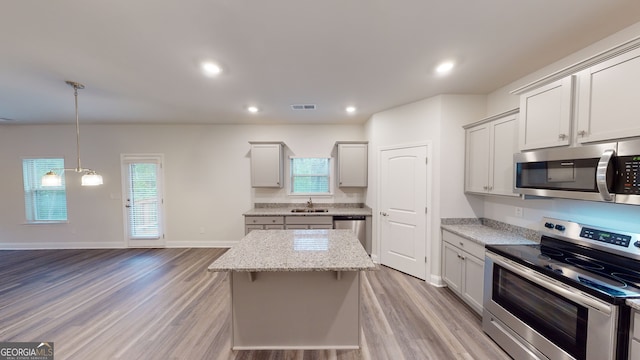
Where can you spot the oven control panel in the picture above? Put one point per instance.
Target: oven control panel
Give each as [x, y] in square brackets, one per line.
[610, 240]
[605, 236]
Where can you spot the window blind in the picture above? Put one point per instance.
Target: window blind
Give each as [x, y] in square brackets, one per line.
[43, 204]
[143, 201]
[310, 176]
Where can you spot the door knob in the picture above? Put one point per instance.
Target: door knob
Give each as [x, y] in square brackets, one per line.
[383, 213]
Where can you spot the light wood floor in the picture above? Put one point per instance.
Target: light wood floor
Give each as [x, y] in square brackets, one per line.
[163, 304]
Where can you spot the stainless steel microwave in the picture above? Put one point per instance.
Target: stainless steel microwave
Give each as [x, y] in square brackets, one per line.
[604, 172]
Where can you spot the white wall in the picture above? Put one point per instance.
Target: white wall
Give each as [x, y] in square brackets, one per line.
[207, 179]
[610, 215]
[437, 122]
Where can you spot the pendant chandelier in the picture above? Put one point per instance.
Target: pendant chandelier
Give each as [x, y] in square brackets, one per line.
[90, 177]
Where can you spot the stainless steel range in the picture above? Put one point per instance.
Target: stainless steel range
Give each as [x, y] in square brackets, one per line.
[565, 297]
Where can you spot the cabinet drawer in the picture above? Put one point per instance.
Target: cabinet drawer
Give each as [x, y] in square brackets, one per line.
[263, 220]
[309, 220]
[467, 245]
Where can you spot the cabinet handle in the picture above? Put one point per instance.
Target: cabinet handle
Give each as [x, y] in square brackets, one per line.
[582, 133]
[254, 221]
[273, 221]
[562, 136]
[461, 243]
[490, 188]
[485, 187]
[462, 257]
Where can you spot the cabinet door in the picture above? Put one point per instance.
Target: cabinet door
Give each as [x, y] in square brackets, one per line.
[317, 226]
[608, 105]
[504, 143]
[452, 267]
[266, 165]
[477, 159]
[296, 227]
[249, 228]
[545, 115]
[473, 282]
[352, 165]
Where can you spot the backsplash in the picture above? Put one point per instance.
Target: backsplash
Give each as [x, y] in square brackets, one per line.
[530, 234]
[303, 204]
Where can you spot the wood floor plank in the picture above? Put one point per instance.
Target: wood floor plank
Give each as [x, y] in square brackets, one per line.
[163, 304]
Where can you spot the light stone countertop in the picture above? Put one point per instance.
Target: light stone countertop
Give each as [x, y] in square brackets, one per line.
[486, 235]
[634, 303]
[295, 250]
[286, 211]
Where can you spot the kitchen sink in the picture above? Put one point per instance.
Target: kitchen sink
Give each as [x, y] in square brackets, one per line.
[309, 210]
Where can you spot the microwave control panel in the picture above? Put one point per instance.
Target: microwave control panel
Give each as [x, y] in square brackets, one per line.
[628, 175]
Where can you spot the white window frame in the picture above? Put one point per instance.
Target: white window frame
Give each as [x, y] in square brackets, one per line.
[30, 212]
[125, 160]
[331, 177]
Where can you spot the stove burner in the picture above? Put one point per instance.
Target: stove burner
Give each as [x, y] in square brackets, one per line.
[547, 251]
[635, 279]
[584, 264]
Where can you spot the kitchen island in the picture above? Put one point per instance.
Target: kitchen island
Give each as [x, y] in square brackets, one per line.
[295, 289]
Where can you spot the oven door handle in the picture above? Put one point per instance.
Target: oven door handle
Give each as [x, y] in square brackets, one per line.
[549, 284]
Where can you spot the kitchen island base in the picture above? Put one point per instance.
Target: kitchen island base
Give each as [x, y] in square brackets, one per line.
[295, 310]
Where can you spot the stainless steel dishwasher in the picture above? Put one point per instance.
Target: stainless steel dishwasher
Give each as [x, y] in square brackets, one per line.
[355, 223]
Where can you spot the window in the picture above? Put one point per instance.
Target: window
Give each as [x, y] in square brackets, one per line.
[310, 176]
[43, 204]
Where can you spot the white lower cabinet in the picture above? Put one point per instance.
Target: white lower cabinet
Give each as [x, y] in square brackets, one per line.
[308, 222]
[634, 336]
[263, 223]
[463, 268]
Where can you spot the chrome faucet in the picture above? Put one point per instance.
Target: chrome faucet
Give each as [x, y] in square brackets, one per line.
[310, 203]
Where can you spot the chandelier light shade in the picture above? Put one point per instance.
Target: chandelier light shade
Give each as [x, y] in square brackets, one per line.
[90, 177]
[51, 179]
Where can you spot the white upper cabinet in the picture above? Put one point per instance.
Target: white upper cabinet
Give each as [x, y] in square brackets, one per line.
[352, 164]
[267, 164]
[490, 145]
[545, 115]
[608, 103]
[477, 159]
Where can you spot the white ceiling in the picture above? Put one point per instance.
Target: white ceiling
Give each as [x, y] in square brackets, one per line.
[139, 59]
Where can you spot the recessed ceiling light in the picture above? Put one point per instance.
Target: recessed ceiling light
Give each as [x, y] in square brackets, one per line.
[350, 109]
[210, 68]
[253, 109]
[444, 67]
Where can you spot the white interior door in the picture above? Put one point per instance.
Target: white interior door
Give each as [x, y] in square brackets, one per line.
[403, 201]
[143, 200]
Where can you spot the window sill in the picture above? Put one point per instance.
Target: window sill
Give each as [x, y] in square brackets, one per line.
[46, 222]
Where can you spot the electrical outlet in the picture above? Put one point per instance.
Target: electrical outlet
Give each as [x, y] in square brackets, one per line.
[519, 211]
[201, 230]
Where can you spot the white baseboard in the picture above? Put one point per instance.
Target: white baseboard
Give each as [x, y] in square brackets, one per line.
[436, 280]
[201, 244]
[62, 245]
[112, 245]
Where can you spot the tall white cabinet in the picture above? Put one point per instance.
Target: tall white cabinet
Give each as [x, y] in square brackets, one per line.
[267, 163]
[352, 163]
[490, 145]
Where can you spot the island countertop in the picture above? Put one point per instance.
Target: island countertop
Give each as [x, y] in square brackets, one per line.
[295, 250]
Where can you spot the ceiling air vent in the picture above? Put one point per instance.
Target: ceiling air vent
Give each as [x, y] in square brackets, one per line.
[303, 107]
